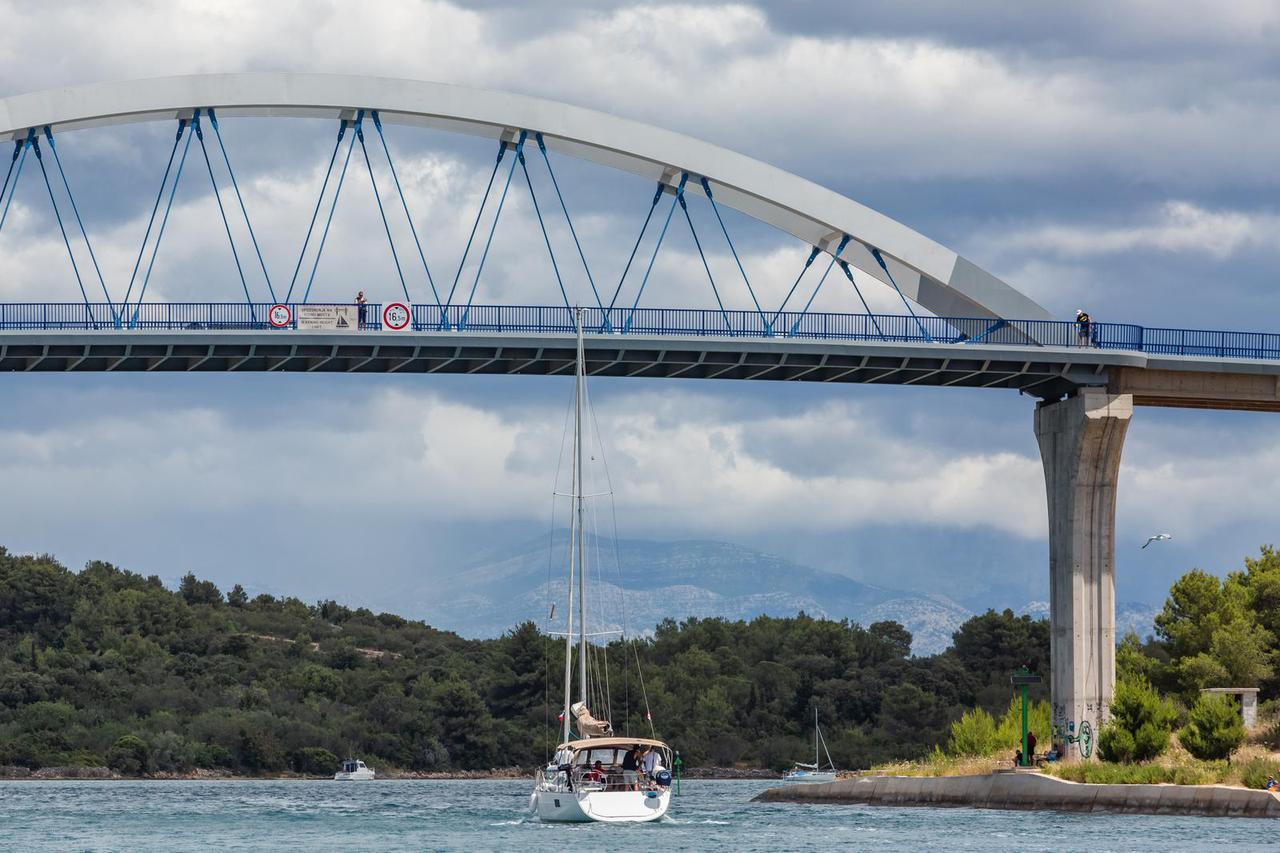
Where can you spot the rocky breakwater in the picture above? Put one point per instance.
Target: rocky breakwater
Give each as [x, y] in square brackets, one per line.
[1032, 791]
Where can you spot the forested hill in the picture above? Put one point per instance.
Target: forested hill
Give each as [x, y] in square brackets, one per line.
[105, 666]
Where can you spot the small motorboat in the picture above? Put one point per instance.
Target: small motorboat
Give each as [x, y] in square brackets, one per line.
[354, 771]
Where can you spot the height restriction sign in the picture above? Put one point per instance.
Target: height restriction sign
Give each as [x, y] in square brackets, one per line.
[280, 316]
[396, 317]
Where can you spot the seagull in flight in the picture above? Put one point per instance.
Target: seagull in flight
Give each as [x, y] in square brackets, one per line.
[1159, 537]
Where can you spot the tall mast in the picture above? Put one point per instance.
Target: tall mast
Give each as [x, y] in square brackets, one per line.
[580, 379]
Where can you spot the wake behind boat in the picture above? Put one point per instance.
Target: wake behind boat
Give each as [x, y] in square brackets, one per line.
[597, 775]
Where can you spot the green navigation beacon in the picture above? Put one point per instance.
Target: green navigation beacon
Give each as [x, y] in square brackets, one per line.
[1021, 679]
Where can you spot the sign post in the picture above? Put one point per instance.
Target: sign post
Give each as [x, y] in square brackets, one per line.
[1021, 679]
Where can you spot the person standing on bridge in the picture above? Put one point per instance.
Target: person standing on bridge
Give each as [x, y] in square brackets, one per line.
[360, 307]
[1084, 329]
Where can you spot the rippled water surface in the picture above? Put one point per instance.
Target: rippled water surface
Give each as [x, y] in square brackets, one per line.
[472, 816]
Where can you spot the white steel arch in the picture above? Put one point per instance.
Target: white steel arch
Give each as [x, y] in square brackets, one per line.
[927, 273]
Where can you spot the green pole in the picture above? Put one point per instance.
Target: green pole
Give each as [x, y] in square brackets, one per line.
[1026, 759]
[679, 764]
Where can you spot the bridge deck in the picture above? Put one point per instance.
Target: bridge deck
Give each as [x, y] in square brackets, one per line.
[1160, 367]
[1046, 372]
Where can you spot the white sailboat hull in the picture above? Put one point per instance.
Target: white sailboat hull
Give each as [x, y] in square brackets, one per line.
[810, 776]
[600, 806]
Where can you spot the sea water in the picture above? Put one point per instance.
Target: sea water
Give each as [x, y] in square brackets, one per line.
[492, 815]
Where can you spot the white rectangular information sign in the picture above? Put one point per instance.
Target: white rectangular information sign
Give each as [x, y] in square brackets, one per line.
[341, 317]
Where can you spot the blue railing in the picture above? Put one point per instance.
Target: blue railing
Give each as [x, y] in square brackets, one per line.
[240, 316]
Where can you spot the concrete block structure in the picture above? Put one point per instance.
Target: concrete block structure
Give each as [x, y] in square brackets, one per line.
[1248, 702]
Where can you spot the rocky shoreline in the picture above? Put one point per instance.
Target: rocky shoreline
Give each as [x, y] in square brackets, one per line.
[11, 773]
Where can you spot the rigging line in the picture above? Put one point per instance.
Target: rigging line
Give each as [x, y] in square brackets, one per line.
[484, 200]
[706, 187]
[381, 211]
[199, 131]
[76, 209]
[648, 715]
[849, 275]
[493, 229]
[617, 557]
[213, 120]
[551, 538]
[324, 235]
[24, 145]
[706, 266]
[880, 260]
[679, 191]
[653, 206]
[555, 183]
[377, 123]
[164, 220]
[35, 144]
[182, 124]
[546, 238]
[342, 129]
[844, 241]
[809, 262]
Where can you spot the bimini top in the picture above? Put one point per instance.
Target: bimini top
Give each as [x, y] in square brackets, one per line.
[931, 275]
[611, 743]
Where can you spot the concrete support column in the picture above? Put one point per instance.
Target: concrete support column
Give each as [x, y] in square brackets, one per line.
[1080, 443]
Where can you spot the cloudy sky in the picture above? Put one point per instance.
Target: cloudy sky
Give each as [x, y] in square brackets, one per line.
[1109, 155]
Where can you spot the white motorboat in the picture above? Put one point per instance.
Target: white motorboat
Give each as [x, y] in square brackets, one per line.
[354, 770]
[815, 772]
[596, 775]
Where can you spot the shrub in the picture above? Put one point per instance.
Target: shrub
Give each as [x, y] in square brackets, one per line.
[973, 734]
[1140, 723]
[129, 755]
[1255, 772]
[314, 761]
[1039, 723]
[1105, 773]
[1214, 727]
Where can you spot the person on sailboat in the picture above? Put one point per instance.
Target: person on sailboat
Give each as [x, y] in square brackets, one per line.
[651, 763]
[630, 769]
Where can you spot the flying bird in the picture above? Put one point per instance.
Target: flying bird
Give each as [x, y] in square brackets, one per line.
[1159, 537]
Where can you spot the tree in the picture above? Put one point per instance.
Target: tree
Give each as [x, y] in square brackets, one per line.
[237, 597]
[195, 591]
[1214, 728]
[1140, 723]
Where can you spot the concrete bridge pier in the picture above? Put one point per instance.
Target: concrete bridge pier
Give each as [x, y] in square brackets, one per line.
[1080, 440]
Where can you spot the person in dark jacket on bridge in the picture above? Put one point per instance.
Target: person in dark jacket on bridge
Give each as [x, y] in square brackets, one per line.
[1084, 329]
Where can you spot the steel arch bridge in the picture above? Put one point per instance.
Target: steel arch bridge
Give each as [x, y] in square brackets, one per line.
[930, 275]
[971, 329]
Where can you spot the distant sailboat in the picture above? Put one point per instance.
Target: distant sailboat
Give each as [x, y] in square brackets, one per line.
[815, 772]
[597, 776]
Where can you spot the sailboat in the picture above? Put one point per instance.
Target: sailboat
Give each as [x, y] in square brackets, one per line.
[595, 774]
[815, 772]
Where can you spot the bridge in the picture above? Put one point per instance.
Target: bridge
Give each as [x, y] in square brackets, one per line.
[959, 326]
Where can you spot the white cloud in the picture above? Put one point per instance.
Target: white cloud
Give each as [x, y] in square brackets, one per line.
[1176, 227]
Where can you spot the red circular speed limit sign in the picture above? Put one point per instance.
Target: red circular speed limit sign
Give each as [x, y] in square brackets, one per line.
[280, 316]
[396, 316]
